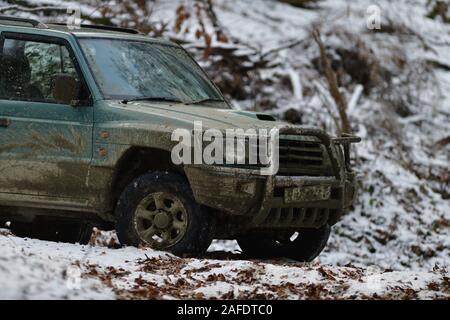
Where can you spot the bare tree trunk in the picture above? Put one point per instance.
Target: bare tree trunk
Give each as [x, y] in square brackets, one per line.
[330, 75]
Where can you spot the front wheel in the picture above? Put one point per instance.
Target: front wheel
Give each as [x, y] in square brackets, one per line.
[159, 210]
[304, 245]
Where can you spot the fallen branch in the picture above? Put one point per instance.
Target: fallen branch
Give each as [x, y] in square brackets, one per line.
[297, 87]
[355, 98]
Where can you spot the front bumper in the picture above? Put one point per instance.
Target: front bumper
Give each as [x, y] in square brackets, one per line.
[261, 198]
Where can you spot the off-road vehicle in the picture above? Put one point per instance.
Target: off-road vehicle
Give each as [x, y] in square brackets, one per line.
[86, 120]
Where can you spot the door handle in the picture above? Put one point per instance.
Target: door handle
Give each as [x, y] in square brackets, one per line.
[4, 122]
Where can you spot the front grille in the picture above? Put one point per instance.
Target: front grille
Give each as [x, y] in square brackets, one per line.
[302, 158]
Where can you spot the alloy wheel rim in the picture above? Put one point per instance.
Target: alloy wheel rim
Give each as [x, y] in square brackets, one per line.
[161, 220]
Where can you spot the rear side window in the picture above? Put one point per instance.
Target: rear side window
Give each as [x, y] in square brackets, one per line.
[40, 72]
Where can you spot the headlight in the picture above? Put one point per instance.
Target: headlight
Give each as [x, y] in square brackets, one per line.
[240, 152]
[236, 151]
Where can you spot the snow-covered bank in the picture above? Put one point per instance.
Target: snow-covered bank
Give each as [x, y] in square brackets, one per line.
[34, 269]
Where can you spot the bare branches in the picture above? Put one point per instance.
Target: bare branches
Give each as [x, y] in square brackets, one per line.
[16, 8]
[443, 142]
[219, 29]
[305, 4]
[289, 45]
[333, 85]
[327, 102]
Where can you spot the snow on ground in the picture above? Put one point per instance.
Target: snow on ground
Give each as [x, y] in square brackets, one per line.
[34, 269]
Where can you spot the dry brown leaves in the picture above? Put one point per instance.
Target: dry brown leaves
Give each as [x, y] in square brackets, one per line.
[99, 239]
[180, 281]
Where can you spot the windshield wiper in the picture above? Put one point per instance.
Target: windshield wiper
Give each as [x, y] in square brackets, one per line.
[207, 100]
[165, 99]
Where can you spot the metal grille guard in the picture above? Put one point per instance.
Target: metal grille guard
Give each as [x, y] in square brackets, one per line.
[265, 207]
[345, 141]
[327, 142]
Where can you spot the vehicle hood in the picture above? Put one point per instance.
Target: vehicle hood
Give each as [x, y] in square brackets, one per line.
[177, 115]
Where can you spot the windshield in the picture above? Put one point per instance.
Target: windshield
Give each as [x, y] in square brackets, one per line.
[126, 70]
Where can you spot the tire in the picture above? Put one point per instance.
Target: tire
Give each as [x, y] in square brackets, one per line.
[58, 231]
[305, 247]
[158, 210]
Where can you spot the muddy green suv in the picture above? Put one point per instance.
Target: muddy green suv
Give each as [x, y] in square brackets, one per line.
[87, 122]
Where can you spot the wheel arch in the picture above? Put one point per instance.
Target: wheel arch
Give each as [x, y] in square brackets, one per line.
[137, 161]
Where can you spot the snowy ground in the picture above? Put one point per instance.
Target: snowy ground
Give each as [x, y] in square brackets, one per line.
[34, 269]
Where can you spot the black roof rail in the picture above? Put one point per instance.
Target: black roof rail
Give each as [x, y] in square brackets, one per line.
[32, 22]
[101, 27]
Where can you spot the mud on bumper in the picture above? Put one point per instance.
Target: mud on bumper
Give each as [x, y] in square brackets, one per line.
[267, 200]
[264, 199]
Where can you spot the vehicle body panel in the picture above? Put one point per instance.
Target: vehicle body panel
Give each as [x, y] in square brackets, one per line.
[46, 149]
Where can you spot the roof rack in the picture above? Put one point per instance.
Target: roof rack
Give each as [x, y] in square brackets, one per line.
[101, 27]
[32, 22]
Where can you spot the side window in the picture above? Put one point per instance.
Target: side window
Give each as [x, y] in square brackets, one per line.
[40, 72]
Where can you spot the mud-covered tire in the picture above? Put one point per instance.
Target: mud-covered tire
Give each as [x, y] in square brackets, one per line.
[58, 231]
[198, 231]
[304, 248]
